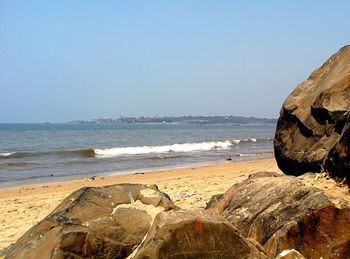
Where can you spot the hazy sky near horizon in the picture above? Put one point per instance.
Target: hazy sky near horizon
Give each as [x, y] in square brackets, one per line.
[71, 60]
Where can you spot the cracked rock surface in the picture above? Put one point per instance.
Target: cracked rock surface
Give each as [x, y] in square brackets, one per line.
[281, 212]
[130, 221]
[181, 234]
[94, 222]
[313, 130]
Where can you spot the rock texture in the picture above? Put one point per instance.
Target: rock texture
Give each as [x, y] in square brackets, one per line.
[130, 221]
[101, 222]
[179, 234]
[290, 254]
[313, 130]
[280, 212]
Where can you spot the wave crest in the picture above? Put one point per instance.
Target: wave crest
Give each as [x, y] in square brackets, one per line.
[5, 155]
[138, 150]
[186, 147]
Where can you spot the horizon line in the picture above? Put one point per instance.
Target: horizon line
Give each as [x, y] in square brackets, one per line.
[141, 116]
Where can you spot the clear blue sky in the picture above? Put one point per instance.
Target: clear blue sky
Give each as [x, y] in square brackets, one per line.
[66, 60]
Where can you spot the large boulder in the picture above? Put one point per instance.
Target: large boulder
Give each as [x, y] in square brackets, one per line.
[281, 212]
[130, 221]
[313, 130]
[100, 222]
[180, 234]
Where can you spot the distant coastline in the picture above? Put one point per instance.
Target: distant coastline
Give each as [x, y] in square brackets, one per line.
[235, 120]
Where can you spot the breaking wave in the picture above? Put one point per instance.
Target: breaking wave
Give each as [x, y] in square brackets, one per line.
[137, 150]
[187, 147]
[178, 148]
[5, 155]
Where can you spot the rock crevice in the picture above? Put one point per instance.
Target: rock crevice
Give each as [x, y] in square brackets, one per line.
[312, 130]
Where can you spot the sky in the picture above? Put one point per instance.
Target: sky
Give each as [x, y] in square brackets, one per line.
[79, 60]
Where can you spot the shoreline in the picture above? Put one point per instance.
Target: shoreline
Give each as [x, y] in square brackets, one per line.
[189, 188]
[38, 181]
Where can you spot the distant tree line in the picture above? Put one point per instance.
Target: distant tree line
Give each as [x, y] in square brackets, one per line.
[185, 120]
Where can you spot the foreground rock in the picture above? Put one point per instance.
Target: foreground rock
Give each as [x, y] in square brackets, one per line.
[101, 222]
[280, 212]
[130, 221]
[313, 130]
[179, 234]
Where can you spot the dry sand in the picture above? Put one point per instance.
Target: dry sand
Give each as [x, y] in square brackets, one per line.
[189, 188]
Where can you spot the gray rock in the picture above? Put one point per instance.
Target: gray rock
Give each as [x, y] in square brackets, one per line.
[313, 130]
[280, 212]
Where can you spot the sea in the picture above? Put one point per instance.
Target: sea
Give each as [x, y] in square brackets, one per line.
[31, 153]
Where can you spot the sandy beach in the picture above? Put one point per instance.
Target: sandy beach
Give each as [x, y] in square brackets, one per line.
[190, 188]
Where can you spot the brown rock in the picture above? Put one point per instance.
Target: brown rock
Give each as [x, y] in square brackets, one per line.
[290, 254]
[280, 212]
[100, 222]
[179, 234]
[313, 130]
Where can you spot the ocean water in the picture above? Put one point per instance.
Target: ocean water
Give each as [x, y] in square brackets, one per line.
[48, 152]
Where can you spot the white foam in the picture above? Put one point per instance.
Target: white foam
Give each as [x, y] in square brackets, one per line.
[186, 147]
[247, 155]
[249, 140]
[7, 154]
[255, 154]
